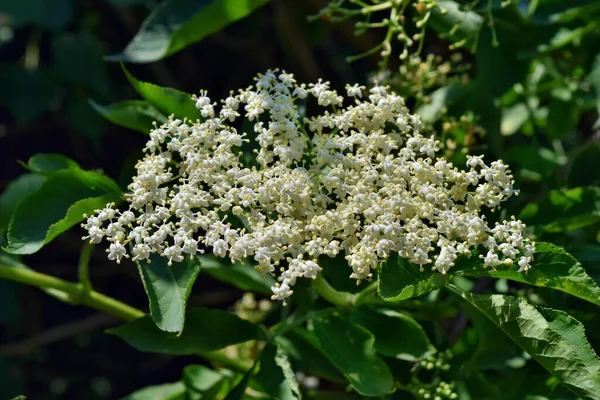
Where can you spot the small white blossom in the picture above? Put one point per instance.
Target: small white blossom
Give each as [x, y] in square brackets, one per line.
[359, 181]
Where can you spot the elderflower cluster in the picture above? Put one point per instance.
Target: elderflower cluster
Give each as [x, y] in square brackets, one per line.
[356, 178]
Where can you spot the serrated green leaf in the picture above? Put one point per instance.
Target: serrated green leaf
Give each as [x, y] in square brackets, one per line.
[16, 191]
[47, 164]
[241, 276]
[351, 349]
[205, 330]
[401, 280]
[57, 205]
[555, 339]
[168, 288]
[388, 326]
[166, 391]
[133, 114]
[552, 267]
[275, 375]
[564, 210]
[176, 24]
[166, 100]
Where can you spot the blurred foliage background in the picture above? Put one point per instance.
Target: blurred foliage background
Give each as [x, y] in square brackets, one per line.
[514, 80]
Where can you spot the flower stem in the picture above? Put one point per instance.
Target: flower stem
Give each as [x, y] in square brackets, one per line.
[73, 293]
[326, 291]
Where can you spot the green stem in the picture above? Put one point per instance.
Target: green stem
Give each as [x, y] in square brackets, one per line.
[326, 291]
[83, 268]
[77, 294]
[74, 292]
[216, 358]
[367, 296]
[454, 289]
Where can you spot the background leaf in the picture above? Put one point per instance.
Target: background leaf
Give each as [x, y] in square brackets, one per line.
[241, 276]
[57, 205]
[166, 391]
[564, 210]
[167, 100]
[175, 24]
[555, 339]
[133, 114]
[168, 288]
[202, 382]
[351, 349]
[206, 330]
[396, 334]
[16, 191]
[47, 164]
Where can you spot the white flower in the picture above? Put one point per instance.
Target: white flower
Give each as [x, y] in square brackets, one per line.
[358, 180]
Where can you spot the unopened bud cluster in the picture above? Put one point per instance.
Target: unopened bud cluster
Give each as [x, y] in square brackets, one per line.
[356, 178]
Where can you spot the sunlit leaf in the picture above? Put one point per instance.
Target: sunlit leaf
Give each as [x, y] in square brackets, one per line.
[555, 339]
[57, 205]
[133, 114]
[176, 24]
[166, 100]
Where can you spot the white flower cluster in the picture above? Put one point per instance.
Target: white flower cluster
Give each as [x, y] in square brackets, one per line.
[357, 179]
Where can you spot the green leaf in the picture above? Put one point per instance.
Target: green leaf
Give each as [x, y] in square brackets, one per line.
[239, 390]
[513, 118]
[275, 375]
[168, 288]
[564, 210]
[133, 114]
[303, 348]
[584, 161]
[241, 276]
[555, 339]
[205, 330]
[57, 205]
[351, 349]
[552, 267]
[202, 382]
[562, 118]
[176, 24]
[387, 326]
[47, 164]
[166, 391]
[166, 100]
[440, 100]
[16, 191]
[401, 280]
[449, 20]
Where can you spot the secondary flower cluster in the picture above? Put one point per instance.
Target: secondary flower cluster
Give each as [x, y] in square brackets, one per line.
[356, 179]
